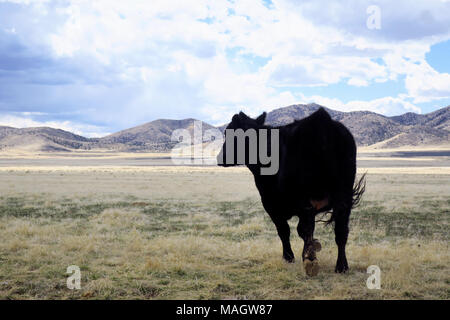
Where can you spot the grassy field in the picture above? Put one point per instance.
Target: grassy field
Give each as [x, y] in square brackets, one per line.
[201, 233]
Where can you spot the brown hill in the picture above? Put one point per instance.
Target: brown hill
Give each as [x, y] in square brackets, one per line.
[41, 139]
[367, 127]
[439, 119]
[155, 135]
[417, 136]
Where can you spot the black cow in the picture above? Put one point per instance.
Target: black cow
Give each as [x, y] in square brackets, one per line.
[317, 167]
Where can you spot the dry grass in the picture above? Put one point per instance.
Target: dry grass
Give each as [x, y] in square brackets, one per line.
[375, 148]
[201, 233]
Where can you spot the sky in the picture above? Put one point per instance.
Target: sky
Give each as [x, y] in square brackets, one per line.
[99, 66]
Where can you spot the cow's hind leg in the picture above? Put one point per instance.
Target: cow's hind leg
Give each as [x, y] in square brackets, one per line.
[284, 233]
[305, 229]
[341, 215]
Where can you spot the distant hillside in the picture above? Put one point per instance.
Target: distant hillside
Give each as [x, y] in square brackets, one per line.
[155, 135]
[368, 128]
[285, 115]
[417, 136]
[439, 119]
[41, 139]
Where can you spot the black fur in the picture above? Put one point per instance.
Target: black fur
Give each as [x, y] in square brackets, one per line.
[317, 162]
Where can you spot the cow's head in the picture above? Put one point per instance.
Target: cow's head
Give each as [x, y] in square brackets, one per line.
[242, 133]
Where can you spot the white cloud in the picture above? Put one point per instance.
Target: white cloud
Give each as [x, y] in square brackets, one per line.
[358, 82]
[173, 57]
[422, 82]
[426, 85]
[388, 105]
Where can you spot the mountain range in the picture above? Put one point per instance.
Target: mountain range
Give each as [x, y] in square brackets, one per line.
[368, 128]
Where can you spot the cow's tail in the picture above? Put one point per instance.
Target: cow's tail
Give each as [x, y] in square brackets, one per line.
[358, 190]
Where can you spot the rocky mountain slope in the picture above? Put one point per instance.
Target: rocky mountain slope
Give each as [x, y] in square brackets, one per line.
[155, 135]
[367, 127]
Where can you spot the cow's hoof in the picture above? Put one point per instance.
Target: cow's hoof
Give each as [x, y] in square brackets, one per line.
[290, 258]
[341, 268]
[311, 267]
[316, 245]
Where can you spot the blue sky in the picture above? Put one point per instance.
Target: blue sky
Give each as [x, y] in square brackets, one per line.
[96, 67]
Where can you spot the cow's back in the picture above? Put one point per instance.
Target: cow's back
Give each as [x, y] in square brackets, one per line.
[315, 153]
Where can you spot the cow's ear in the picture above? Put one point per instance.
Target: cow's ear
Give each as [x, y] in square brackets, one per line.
[261, 119]
[235, 120]
[243, 116]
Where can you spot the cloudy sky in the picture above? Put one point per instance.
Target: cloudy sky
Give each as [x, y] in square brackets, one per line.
[95, 67]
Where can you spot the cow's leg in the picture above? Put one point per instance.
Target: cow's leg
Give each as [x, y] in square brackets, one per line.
[305, 229]
[341, 220]
[284, 234]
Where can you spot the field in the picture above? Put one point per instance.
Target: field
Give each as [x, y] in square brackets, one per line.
[164, 232]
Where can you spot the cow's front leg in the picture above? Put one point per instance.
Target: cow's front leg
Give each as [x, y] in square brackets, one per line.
[284, 234]
[305, 229]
